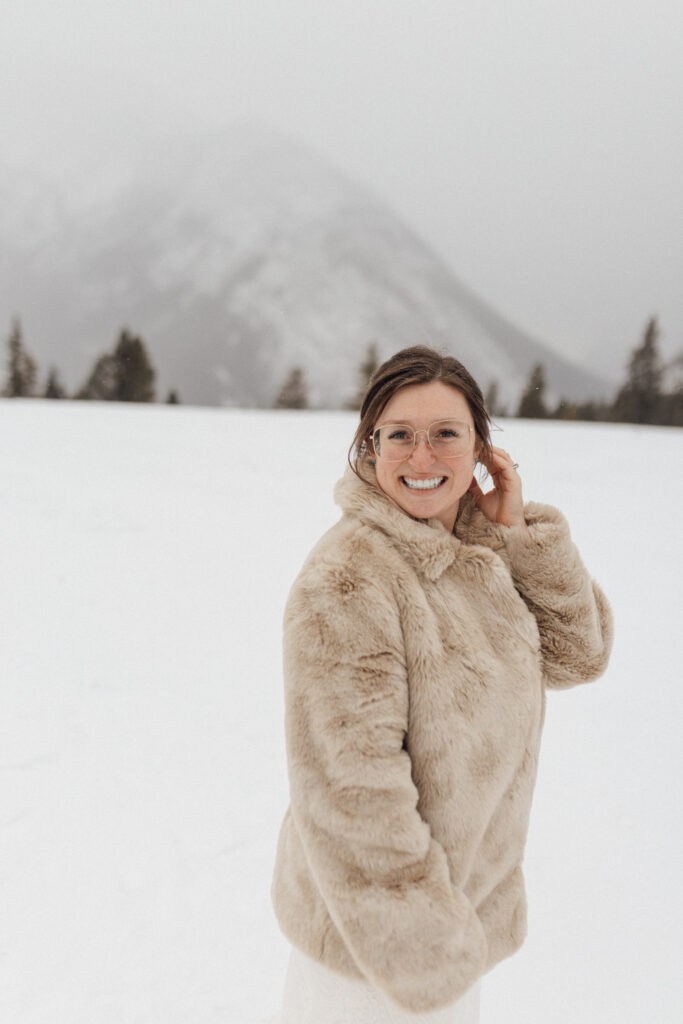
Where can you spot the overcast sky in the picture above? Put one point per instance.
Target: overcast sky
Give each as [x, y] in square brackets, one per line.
[537, 145]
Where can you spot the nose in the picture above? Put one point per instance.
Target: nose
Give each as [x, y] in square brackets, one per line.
[422, 456]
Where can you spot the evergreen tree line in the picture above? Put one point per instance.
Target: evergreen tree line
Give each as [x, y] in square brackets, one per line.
[125, 374]
[640, 399]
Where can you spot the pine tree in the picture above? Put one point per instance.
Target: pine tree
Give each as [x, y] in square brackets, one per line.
[124, 375]
[492, 401]
[639, 398]
[173, 398]
[293, 393]
[135, 373]
[22, 372]
[532, 403]
[53, 388]
[103, 383]
[365, 371]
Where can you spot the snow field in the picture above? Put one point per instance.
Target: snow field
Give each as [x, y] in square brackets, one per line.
[146, 553]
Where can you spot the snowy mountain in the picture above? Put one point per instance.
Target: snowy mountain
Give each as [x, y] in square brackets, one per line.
[236, 259]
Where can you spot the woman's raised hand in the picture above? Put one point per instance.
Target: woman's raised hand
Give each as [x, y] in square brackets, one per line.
[504, 504]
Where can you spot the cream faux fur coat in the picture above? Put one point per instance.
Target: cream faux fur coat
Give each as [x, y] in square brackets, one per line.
[415, 667]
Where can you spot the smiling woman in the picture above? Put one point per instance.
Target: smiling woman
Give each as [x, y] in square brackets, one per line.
[415, 700]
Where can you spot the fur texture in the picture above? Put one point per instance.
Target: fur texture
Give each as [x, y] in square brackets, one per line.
[415, 666]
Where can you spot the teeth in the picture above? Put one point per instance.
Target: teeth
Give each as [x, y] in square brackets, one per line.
[424, 485]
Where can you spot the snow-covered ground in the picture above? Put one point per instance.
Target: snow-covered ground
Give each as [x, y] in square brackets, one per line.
[145, 557]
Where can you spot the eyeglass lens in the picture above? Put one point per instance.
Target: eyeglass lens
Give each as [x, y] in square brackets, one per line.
[395, 441]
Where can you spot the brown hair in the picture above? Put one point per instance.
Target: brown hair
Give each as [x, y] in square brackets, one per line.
[415, 365]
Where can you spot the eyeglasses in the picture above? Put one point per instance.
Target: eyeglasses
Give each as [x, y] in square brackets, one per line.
[448, 439]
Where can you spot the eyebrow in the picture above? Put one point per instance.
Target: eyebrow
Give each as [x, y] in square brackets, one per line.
[408, 423]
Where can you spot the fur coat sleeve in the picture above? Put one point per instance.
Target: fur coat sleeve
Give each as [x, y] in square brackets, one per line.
[384, 879]
[574, 618]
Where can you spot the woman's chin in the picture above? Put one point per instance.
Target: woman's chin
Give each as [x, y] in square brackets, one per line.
[417, 505]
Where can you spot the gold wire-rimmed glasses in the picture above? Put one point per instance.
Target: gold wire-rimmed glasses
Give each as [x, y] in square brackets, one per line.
[448, 439]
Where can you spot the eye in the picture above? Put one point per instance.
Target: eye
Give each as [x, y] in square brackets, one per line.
[447, 432]
[398, 435]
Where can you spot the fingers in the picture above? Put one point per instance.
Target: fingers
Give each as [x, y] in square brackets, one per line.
[504, 503]
[501, 453]
[504, 462]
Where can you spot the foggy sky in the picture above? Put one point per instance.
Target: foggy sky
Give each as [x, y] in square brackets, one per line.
[537, 146]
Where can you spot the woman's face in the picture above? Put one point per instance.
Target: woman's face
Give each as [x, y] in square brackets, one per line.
[419, 405]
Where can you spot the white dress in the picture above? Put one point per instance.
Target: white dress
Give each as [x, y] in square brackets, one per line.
[314, 994]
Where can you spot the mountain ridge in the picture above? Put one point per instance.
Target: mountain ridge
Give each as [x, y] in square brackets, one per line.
[240, 259]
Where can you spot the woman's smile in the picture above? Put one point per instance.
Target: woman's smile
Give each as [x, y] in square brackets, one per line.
[418, 484]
